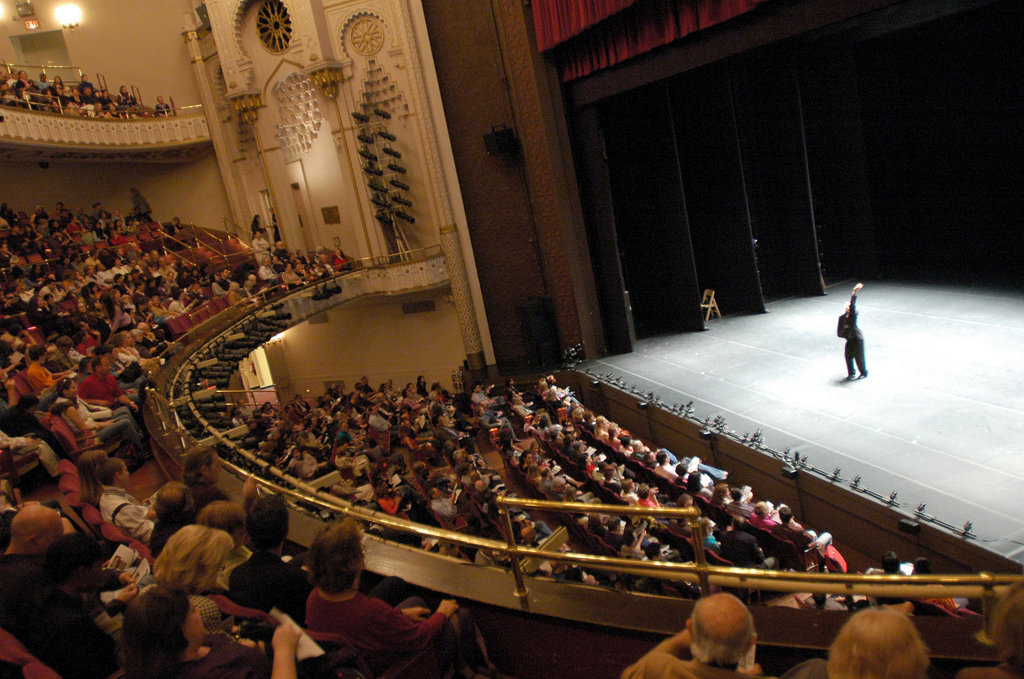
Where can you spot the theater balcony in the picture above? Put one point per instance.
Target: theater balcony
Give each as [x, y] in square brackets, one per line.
[41, 136]
[533, 623]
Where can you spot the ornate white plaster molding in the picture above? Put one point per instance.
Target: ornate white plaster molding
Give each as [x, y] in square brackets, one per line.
[393, 279]
[97, 136]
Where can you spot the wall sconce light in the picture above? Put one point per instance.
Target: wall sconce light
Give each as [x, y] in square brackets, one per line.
[789, 472]
[69, 16]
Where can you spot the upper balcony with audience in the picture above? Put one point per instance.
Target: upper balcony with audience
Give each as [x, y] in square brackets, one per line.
[51, 112]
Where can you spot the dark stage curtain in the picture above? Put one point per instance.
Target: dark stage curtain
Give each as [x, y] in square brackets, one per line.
[596, 34]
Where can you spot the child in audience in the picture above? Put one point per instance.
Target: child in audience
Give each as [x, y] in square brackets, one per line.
[132, 517]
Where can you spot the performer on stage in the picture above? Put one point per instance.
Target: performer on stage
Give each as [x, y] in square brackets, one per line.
[854, 339]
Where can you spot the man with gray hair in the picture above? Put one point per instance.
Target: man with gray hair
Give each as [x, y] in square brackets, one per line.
[719, 639]
[875, 643]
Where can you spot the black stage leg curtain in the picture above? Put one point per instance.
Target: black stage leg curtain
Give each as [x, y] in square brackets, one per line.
[596, 196]
[769, 119]
[715, 193]
[650, 213]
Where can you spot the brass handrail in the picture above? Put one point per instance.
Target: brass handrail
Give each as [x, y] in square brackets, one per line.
[209, 232]
[982, 586]
[114, 121]
[238, 229]
[417, 255]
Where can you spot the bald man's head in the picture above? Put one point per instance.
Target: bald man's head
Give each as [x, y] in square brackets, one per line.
[722, 630]
[34, 528]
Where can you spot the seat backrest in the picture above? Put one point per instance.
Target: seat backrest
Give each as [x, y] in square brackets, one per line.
[709, 296]
[230, 608]
[112, 533]
[67, 467]
[21, 384]
[62, 431]
[13, 651]
[92, 515]
[71, 489]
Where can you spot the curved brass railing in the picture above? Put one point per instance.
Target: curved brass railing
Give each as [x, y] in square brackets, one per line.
[982, 586]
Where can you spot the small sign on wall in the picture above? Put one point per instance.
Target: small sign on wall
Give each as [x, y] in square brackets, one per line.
[331, 214]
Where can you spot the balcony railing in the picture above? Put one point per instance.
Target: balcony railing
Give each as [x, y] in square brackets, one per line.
[59, 134]
[175, 392]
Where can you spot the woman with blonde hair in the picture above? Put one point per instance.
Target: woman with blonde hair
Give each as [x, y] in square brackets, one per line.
[1008, 635]
[190, 561]
[230, 518]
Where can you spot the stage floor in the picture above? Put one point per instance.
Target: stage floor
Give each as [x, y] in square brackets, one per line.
[940, 419]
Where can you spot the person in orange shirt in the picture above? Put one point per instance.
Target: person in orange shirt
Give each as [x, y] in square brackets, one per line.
[39, 378]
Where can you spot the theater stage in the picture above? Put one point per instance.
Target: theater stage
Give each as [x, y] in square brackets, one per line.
[940, 419]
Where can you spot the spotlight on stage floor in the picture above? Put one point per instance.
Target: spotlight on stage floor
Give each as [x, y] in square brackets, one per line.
[909, 527]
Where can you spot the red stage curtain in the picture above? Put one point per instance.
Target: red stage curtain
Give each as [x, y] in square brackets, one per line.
[602, 40]
[558, 20]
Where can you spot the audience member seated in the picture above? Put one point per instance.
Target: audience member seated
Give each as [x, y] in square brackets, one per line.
[266, 580]
[173, 509]
[789, 529]
[164, 638]
[741, 548]
[876, 643]
[190, 561]
[22, 567]
[230, 518]
[717, 642]
[382, 633]
[101, 388]
[200, 473]
[28, 444]
[132, 517]
[62, 631]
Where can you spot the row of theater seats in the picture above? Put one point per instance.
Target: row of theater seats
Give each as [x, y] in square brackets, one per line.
[787, 554]
[179, 325]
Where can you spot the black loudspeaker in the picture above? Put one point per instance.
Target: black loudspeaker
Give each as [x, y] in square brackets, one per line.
[501, 141]
[908, 526]
[203, 15]
[539, 331]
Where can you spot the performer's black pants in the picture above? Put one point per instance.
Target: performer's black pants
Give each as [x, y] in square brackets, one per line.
[855, 352]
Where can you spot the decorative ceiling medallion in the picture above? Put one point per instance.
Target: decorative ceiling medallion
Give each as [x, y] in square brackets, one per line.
[366, 36]
[274, 26]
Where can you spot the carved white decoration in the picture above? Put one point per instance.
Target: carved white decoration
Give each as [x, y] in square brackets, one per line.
[226, 19]
[51, 129]
[381, 91]
[299, 113]
[387, 280]
[366, 31]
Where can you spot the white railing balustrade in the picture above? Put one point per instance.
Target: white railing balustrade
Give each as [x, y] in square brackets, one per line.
[55, 129]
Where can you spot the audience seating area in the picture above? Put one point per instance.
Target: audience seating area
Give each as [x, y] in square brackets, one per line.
[74, 98]
[419, 452]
